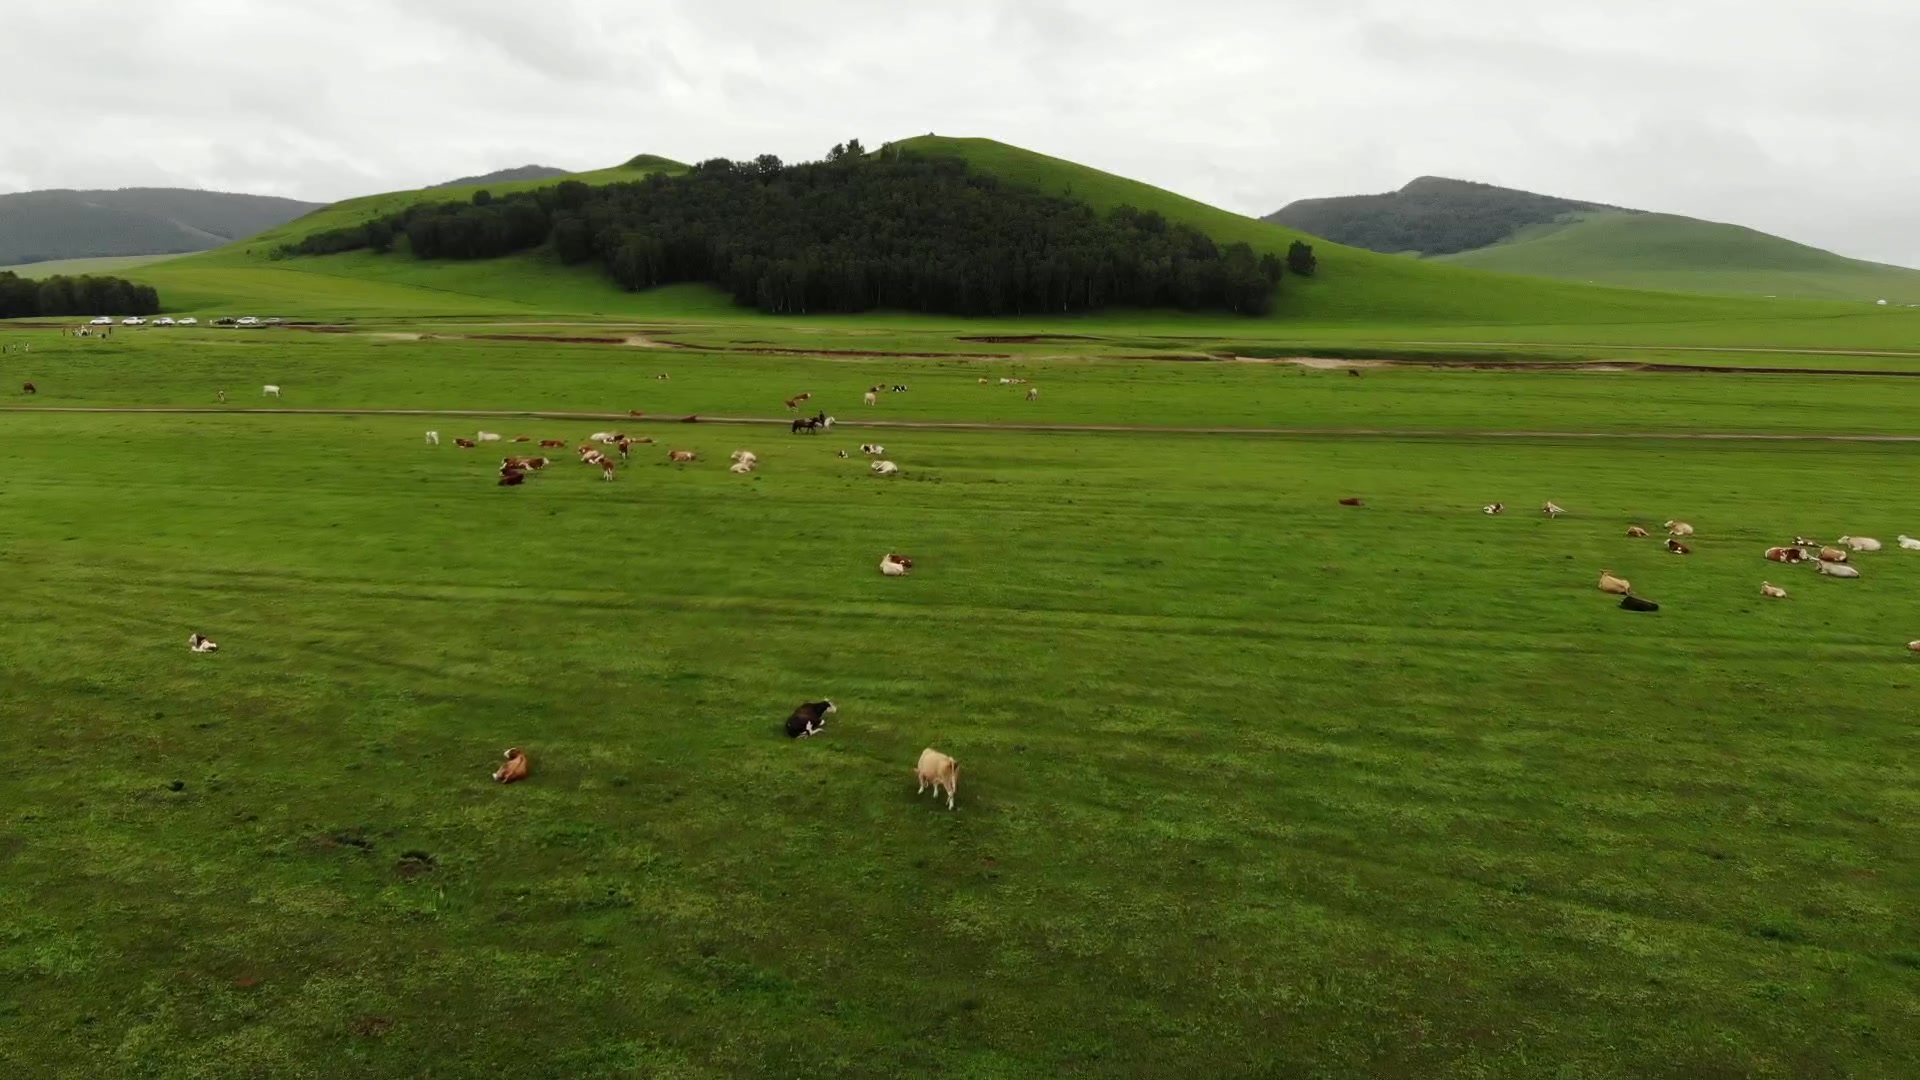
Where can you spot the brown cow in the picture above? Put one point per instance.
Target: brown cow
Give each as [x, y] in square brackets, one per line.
[1636, 532]
[1831, 555]
[466, 444]
[680, 455]
[552, 444]
[1786, 555]
[512, 478]
[690, 419]
[1353, 502]
[636, 414]
[1678, 548]
[29, 388]
[514, 769]
[606, 469]
[523, 438]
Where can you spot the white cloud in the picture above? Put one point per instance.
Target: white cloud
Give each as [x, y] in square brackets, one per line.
[1789, 115]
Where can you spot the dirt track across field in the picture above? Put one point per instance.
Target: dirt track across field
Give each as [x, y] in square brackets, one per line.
[984, 425]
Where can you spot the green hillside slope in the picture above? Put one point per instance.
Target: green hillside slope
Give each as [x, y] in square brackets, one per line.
[42, 225]
[1431, 216]
[1352, 284]
[1667, 251]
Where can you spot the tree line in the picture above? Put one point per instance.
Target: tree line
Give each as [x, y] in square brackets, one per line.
[84, 295]
[851, 233]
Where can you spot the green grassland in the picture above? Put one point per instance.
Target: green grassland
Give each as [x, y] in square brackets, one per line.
[109, 264]
[1681, 254]
[1253, 784]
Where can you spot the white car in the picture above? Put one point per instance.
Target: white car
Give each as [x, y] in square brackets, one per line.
[189, 321]
[133, 320]
[247, 320]
[163, 321]
[100, 320]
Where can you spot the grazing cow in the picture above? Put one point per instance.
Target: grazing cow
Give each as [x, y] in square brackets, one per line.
[1552, 510]
[626, 448]
[810, 718]
[29, 388]
[1909, 543]
[1859, 543]
[1611, 584]
[1913, 646]
[1033, 393]
[1840, 570]
[939, 770]
[884, 468]
[465, 444]
[1771, 591]
[514, 769]
[872, 449]
[512, 478]
[741, 468]
[1678, 528]
[895, 565]
[1353, 502]
[552, 444]
[270, 390]
[1494, 508]
[487, 436]
[606, 469]
[1677, 547]
[1635, 603]
[871, 398]
[1786, 555]
[433, 438]
[680, 455]
[201, 643]
[1832, 555]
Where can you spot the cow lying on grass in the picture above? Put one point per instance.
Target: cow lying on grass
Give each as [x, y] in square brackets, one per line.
[810, 718]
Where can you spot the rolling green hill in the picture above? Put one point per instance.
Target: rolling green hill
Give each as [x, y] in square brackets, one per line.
[1666, 251]
[1356, 294]
[37, 226]
[1521, 232]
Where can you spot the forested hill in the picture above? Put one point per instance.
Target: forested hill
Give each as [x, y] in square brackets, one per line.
[506, 176]
[36, 226]
[1430, 216]
[855, 232]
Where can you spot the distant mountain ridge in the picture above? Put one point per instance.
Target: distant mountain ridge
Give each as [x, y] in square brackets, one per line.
[506, 176]
[36, 226]
[1521, 232]
[1433, 215]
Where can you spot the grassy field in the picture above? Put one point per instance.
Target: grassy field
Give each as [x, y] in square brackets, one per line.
[1253, 784]
[110, 264]
[1681, 254]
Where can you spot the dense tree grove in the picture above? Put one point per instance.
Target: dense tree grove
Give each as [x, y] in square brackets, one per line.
[60, 295]
[1431, 215]
[851, 233]
[1300, 258]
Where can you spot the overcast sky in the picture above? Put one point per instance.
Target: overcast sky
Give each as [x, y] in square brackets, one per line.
[1798, 117]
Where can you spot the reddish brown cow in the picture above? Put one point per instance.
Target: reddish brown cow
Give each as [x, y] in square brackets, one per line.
[466, 444]
[512, 478]
[1678, 548]
[606, 469]
[29, 388]
[523, 438]
[680, 455]
[1353, 502]
[552, 444]
[1786, 554]
[514, 769]
[690, 419]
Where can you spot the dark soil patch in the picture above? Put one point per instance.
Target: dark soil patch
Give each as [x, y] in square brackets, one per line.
[412, 864]
[369, 1026]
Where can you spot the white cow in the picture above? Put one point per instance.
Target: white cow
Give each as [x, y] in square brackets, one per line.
[270, 390]
[433, 438]
[1838, 570]
[1909, 543]
[199, 643]
[873, 449]
[741, 467]
[884, 468]
[1859, 543]
[1033, 393]
[488, 436]
[871, 398]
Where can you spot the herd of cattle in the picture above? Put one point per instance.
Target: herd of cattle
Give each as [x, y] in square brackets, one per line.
[1831, 560]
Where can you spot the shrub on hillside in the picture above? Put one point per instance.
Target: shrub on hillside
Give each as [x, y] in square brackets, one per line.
[851, 233]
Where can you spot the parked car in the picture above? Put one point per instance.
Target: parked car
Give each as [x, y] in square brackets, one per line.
[247, 320]
[163, 321]
[225, 320]
[100, 320]
[271, 321]
[133, 320]
[189, 321]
